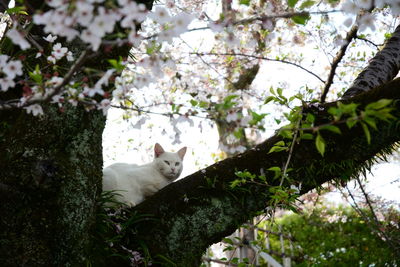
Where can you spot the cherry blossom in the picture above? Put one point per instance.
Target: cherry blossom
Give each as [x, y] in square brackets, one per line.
[91, 38]
[350, 7]
[84, 13]
[181, 22]
[17, 38]
[6, 83]
[105, 105]
[160, 15]
[13, 68]
[233, 116]
[366, 21]
[50, 38]
[35, 109]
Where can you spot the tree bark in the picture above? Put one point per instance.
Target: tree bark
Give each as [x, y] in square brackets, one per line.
[50, 172]
[50, 169]
[381, 69]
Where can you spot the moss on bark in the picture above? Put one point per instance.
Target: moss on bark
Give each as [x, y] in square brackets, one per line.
[50, 169]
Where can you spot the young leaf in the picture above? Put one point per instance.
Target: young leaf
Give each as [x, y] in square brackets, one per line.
[366, 131]
[379, 104]
[292, 3]
[301, 19]
[331, 128]
[307, 4]
[320, 144]
[276, 149]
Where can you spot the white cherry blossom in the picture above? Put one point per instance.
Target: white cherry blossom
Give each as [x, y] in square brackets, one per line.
[160, 15]
[17, 38]
[366, 21]
[3, 60]
[6, 83]
[35, 109]
[181, 22]
[13, 68]
[105, 105]
[84, 13]
[50, 38]
[89, 37]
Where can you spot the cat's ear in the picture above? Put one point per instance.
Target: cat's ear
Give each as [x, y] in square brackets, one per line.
[158, 150]
[182, 152]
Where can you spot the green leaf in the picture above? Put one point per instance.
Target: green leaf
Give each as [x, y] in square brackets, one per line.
[276, 149]
[16, 10]
[371, 122]
[366, 131]
[350, 122]
[301, 19]
[331, 128]
[275, 169]
[279, 143]
[320, 144]
[307, 136]
[379, 104]
[292, 3]
[235, 183]
[193, 102]
[245, 2]
[307, 4]
[269, 99]
[310, 117]
[286, 133]
[227, 240]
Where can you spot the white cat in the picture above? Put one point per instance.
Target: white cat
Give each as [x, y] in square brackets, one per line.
[134, 183]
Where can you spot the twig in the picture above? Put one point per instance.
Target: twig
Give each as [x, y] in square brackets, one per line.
[375, 218]
[291, 147]
[260, 57]
[284, 15]
[14, 103]
[339, 56]
[369, 41]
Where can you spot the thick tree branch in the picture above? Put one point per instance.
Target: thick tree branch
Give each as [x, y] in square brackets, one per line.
[382, 68]
[201, 209]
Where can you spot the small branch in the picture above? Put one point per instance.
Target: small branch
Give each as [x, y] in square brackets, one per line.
[369, 41]
[375, 218]
[291, 147]
[339, 56]
[228, 263]
[260, 57]
[15, 103]
[284, 16]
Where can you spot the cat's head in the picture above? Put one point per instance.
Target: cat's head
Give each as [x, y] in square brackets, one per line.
[169, 163]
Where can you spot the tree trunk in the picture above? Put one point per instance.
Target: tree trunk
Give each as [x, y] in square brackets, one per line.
[50, 175]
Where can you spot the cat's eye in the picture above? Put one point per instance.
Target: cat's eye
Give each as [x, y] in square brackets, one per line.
[166, 161]
[176, 163]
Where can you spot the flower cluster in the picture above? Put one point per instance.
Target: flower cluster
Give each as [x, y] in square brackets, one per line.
[65, 18]
[366, 20]
[9, 70]
[171, 26]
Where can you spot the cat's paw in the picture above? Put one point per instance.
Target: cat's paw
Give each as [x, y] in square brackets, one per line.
[131, 204]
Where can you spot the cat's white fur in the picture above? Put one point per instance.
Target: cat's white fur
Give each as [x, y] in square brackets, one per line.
[134, 183]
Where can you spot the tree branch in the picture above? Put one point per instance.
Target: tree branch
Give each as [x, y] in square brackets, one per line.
[192, 213]
[382, 68]
[339, 56]
[260, 57]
